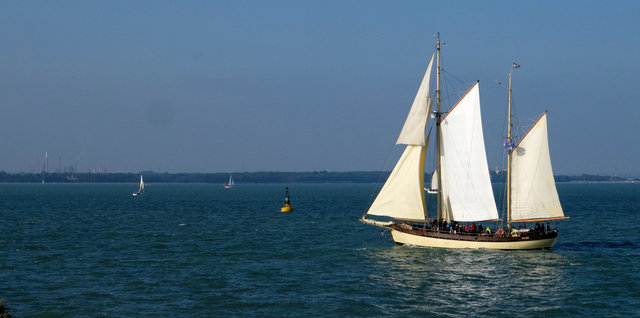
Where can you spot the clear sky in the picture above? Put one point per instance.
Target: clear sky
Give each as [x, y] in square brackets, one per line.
[222, 86]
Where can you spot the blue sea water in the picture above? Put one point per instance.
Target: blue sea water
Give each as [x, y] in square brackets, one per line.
[198, 250]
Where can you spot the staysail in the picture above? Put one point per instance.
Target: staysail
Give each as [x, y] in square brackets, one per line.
[533, 189]
[467, 195]
[402, 196]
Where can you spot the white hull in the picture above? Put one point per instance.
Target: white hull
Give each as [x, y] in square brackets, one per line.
[424, 241]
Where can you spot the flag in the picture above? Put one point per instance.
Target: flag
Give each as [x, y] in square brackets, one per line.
[508, 145]
[515, 65]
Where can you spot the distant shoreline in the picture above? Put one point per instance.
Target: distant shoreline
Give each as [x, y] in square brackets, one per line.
[258, 177]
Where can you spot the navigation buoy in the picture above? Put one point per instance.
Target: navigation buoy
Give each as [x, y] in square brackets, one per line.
[287, 203]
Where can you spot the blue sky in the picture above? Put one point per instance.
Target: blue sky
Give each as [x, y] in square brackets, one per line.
[217, 86]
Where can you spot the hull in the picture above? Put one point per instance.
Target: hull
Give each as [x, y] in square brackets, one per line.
[442, 240]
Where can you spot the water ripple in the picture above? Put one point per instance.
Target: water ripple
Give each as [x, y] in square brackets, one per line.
[202, 251]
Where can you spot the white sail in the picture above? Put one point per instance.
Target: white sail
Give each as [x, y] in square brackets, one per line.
[230, 184]
[402, 196]
[467, 195]
[533, 189]
[433, 187]
[414, 126]
[141, 189]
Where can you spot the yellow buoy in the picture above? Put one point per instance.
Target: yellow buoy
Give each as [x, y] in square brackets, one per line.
[287, 203]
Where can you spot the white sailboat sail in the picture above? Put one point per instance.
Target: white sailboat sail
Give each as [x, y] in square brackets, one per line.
[415, 125]
[141, 188]
[433, 187]
[533, 188]
[402, 196]
[467, 195]
[230, 184]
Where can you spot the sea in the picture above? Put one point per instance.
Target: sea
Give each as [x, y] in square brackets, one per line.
[199, 250]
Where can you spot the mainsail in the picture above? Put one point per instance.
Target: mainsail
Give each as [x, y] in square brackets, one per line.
[533, 189]
[402, 196]
[230, 184]
[141, 185]
[467, 195]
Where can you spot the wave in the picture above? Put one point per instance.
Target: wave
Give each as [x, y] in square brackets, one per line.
[599, 245]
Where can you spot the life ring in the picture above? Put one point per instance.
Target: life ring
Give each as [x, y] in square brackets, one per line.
[500, 232]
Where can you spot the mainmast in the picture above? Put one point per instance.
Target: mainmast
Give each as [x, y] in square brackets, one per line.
[509, 152]
[438, 116]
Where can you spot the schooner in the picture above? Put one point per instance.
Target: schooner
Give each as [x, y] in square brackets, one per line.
[462, 180]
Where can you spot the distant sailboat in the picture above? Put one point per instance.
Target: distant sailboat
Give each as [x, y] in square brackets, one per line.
[462, 183]
[433, 188]
[141, 189]
[230, 184]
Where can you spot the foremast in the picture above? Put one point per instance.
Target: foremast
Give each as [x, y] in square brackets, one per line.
[509, 152]
[438, 132]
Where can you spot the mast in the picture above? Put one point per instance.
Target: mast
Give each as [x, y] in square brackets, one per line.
[509, 152]
[438, 136]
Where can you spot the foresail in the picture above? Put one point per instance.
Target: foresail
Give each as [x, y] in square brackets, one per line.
[467, 195]
[402, 196]
[533, 188]
[414, 126]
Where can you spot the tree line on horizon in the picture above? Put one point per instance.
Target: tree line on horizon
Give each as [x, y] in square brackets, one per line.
[254, 177]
